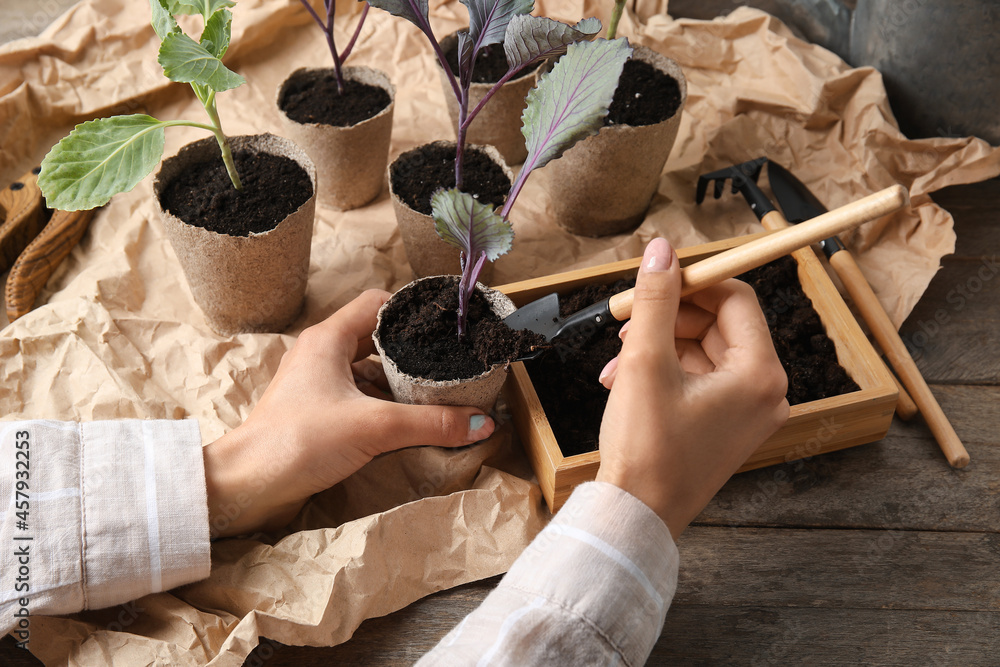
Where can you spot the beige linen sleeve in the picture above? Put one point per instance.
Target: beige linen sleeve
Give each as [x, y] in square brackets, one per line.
[592, 589]
[97, 514]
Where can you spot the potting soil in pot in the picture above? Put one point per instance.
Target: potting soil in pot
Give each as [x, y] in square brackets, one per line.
[415, 178]
[491, 64]
[420, 332]
[318, 101]
[574, 400]
[644, 96]
[273, 187]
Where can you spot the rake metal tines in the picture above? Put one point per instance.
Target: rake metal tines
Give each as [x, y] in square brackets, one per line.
[744, 180]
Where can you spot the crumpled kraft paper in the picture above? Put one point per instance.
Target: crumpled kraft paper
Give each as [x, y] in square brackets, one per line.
[118, 335]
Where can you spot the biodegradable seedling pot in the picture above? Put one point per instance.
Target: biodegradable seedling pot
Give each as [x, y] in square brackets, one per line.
[252, 283]
[480, 391]
[813, 427]
[499, 122]
[350, 161]
[427, 253]
[604, 184]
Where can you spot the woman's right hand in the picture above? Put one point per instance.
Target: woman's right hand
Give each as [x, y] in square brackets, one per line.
[685, 414]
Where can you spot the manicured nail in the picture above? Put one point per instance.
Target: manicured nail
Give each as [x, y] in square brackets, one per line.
[658, 256]
[476, 422]
[608, 369]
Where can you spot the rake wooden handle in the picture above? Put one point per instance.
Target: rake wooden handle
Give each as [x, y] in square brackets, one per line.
[756, 253]
[895, 350]
[39, 260]
[21, 206]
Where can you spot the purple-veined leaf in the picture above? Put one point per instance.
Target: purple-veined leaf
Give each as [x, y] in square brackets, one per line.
[531, 38]
[469, 225]
[474, 228]
[569, 104]
[414, 11]
[465, 56]
[488, 19]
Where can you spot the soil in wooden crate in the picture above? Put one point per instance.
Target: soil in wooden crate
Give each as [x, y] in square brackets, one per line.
[574, 400]
[317, 101]
[644, 96]
[420, 332]
[203, 195]
[491, 64]
[418, 174]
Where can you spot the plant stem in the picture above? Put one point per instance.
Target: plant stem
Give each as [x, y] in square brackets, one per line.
[357, 31]
[511, 73]
[616, 14]
[463, 109]
[331, 10]
[227, 155]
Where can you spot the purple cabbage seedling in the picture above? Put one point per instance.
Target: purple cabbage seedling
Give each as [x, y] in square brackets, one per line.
[101, 158]
[526, 40]
[330, 7]
[568, 105]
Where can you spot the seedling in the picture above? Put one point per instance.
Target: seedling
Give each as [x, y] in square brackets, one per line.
[526, 40]
[568, 104]
[101, 158]
[616, 15]
[330, 8]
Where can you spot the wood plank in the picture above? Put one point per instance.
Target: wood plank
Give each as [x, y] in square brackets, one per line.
[952, 333]
[718, 635]
[846, 569]
[901, 482]
[975, 207]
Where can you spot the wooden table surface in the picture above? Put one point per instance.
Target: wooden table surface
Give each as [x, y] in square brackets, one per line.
[876, 555]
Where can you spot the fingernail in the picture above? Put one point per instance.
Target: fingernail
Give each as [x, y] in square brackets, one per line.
[658, 256]
[608, 369]
[476, 422]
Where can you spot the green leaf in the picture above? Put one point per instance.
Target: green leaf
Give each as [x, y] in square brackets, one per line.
[99, 159]
[204, 7]
[570, 102]
[414, 11]
[488, 19]
[531, 38]
[163, 21]
[215, 37]
[469, 225]
[186, 61]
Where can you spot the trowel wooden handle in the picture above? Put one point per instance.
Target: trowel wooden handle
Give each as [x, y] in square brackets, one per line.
[895, 350]
[760, 251]
[20, 217]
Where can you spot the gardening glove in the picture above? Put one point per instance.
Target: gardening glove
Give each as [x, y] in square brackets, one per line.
[320, 420]
[685, 411]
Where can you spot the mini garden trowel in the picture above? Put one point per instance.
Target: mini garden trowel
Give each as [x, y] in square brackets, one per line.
[542, 316]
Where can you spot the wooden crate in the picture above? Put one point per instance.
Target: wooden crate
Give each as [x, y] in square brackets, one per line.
[819, 426]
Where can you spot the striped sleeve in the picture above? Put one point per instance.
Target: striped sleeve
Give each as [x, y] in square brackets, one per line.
[101, 513]
[592, 588]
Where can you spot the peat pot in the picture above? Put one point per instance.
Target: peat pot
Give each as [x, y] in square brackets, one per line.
[254, 283]
[427, 254]
[603, 185]
[350, 161]
[480, 391]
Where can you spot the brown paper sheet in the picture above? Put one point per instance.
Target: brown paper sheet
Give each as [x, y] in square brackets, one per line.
[118, 335]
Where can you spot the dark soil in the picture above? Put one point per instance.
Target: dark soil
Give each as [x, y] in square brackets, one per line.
[644, 96]
[273, 187]
[316, 100]
[490, 66]
[417, 174]
[806, 352]
[574, 400]
[420, 332]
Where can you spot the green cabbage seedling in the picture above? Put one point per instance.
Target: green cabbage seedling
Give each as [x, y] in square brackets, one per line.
[103, 157]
